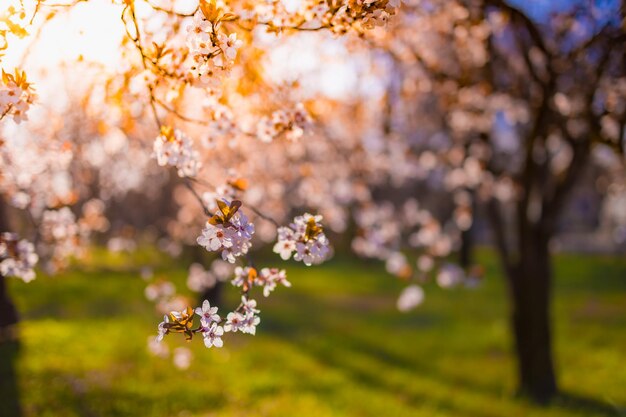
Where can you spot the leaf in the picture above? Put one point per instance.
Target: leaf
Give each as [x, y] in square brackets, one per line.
[312, 230]
[227, 17]
[222, 206]
[227, 212]
[167, 132]
[240, 184]
[209, 10]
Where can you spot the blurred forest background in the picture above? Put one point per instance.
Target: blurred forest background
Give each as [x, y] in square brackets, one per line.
[467, 157]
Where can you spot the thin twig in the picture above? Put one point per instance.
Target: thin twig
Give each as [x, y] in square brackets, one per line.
[197, 196]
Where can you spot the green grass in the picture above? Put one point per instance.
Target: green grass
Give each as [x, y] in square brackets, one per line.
[333, 345]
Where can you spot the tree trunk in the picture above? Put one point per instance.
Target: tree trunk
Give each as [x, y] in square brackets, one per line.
[8, 313]
[466, 251]
[214, 295]
[9, 387]
[531, 294]
[467, 246]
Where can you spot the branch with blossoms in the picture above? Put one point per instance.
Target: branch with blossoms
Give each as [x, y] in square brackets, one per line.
[203, 59]
[339, 17]
[17, 257]
[16, 96]
[212, 47]
[229, 232]
[243, 319]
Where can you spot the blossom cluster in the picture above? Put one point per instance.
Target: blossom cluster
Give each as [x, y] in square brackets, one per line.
[200, 279]
[172, 147]
[338, 17]
[290, 123]
[212, 52]
[16, 96]
[370, 13]
[306, 238]
[35, 171]
[243, 319]
[228, 232]
[268, 278]
[382, 230]
[61, 234]
[17, 257]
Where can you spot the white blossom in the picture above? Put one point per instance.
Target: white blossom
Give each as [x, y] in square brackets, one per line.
[232, 239]
[199, 279]
[17, 257]
[207, 314]
[249, 305]
[450, 275]
[212, 335]
[234, 322]
[270, 277]
[162, 329]
[172, 147]
[306, 237]
[250, 321]
[182, 358]
[410, 297]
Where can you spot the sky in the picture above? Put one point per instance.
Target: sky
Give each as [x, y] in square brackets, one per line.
[539, 10]
[92, 29]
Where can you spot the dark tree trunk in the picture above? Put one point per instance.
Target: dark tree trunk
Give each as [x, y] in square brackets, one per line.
[8, 312]
[9, 389]
[9, 346]
[214, 295]
[530, 286]
[465, 251]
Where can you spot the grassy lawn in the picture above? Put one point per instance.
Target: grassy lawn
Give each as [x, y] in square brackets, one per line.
[333, 345]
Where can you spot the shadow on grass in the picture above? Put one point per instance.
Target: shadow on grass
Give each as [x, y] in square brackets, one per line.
[86, 395]
[9, 391]
[585, 405]
[367, 373]
[365, 362]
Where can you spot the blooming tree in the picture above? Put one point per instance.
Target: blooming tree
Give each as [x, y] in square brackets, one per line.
[487, 107]
[453, 107]
[189, 69]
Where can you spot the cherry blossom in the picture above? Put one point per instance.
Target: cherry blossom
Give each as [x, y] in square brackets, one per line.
[199, 279]
[162, 329]
[16, 96]
[249, 305]
[250, 321]
[212, 335]
[17, 257]
[182, 358]
[229, 233]
[234, 322]
[306, 234]
[410, 297]
[207, 314]
[269, 278]
[172, 147]
[215, 238]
